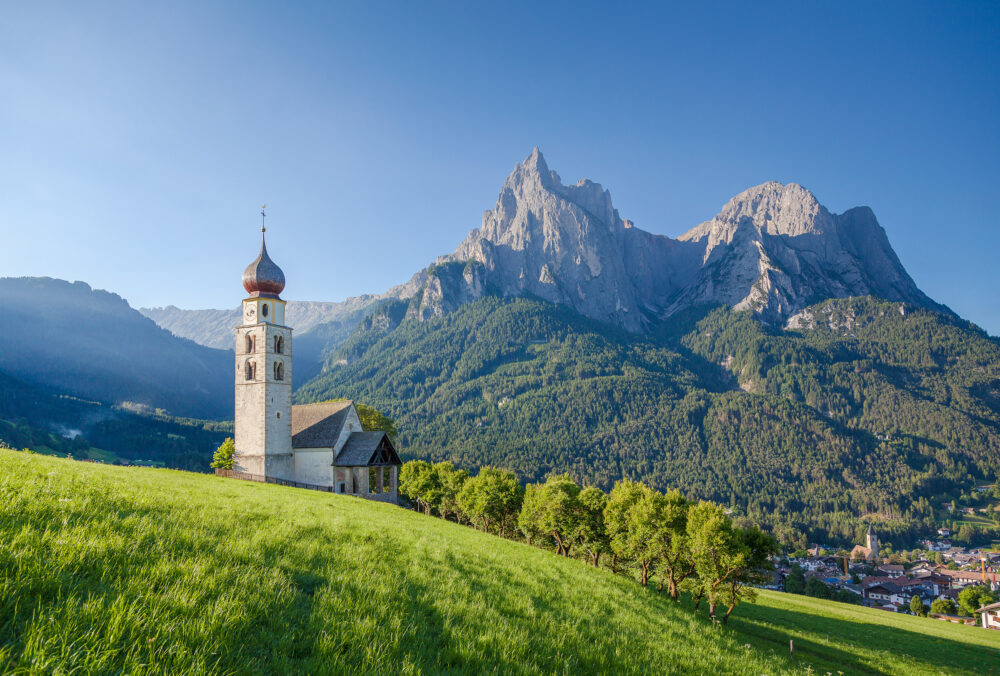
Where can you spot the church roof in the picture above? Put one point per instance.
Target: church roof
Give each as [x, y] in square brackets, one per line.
[367, 448]
[318, 425]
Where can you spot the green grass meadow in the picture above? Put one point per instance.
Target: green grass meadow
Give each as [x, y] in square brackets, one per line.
[130, 570]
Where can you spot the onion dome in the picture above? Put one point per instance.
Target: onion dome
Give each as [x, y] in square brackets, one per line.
[263, 277]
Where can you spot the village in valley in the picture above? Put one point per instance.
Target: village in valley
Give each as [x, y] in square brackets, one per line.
[939, 579]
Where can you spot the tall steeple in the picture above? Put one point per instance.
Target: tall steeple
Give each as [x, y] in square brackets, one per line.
[263, 417]
[871, 540]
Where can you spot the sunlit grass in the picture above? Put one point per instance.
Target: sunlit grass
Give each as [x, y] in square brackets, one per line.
[111, 570]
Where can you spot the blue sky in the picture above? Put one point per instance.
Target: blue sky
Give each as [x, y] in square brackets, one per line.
[138, 140]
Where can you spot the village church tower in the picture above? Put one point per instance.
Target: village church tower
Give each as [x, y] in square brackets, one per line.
[263, 425]
[321, 446]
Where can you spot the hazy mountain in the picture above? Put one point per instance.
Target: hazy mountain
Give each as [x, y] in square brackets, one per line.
[214, 328]
[91, 344]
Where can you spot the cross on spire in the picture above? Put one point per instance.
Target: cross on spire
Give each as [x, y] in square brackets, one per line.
[262, 217]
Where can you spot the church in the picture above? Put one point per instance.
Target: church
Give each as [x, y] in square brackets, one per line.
[870, 551]
[321, 446]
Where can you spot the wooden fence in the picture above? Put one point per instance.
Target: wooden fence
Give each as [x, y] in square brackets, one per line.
[246, 476]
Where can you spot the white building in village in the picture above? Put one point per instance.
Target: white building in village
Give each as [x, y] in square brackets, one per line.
[315, 445]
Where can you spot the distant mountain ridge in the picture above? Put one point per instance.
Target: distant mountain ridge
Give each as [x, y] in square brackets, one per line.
[214, 328]
[90, 344]
[773, 249]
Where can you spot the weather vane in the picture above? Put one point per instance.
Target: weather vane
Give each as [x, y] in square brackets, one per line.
[262, 217]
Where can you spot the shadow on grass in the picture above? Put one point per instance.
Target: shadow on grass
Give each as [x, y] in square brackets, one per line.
[776, 626]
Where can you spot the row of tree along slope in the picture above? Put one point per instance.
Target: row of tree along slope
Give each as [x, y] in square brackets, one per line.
[679, 545]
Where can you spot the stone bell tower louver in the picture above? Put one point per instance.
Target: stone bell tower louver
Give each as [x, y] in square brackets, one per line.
[263, 420]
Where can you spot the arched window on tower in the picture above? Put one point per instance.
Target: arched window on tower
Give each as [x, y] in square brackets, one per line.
[251, 370]
[279, 371]
[249, 343]
[279, 344]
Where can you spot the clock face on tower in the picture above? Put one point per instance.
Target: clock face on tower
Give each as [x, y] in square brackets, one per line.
[249, 314]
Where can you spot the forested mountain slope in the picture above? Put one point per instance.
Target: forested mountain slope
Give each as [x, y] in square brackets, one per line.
[91, 344]
[806, 429]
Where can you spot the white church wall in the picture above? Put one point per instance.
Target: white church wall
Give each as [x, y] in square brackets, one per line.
[352, 424]
[314, 466]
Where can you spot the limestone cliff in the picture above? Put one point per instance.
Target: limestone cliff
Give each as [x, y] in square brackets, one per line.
[773, 249]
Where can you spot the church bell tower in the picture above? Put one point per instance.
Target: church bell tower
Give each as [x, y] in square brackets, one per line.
[871, 540]
[263, 421]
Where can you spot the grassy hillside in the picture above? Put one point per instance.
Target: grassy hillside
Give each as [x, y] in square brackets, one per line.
[806, 430]
[108, 569]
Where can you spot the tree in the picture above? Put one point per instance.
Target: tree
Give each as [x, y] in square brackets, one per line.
[616, 518]
[492, 499]
[715, 549]
[917, 606]
[634, 525]
[450, 482]
[967, 534]
[671, 540]
[223, 457]
[973, 598]
[373, 420]
[527, 519]
[757, 548]
[554, 509]
[419, 482]
[795, 583]
[817, 588]
[945, 606]
[592, 534]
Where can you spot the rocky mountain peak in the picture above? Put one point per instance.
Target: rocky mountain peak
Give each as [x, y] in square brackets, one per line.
[558, 242]
[772, 248]
[771, 208]
[533, 172]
